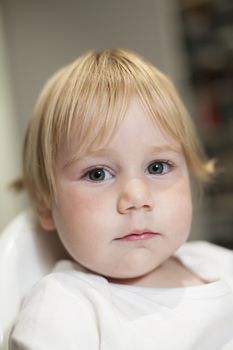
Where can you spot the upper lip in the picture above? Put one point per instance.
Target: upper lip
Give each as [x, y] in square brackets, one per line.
[138, 233]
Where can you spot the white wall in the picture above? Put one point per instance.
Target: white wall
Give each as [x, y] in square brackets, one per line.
[10, 203]
[44, 35]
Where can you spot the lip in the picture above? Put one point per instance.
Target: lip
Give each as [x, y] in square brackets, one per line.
[136, 235]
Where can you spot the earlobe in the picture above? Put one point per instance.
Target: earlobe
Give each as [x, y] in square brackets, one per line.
[46, 221]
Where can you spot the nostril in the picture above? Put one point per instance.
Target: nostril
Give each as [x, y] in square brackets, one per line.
[127, 205]
[147, 206]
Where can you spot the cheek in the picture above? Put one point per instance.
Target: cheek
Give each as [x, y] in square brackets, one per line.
[177, 209]
[183, 214]
[79, 216]
[84, 224]
[73, 201]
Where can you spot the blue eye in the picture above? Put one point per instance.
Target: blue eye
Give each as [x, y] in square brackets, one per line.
[159, 167]
[97, 175]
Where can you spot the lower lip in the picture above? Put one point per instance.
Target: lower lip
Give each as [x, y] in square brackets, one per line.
[138, 237]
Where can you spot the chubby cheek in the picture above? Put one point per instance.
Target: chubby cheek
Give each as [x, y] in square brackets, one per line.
[180, 213]
[80, 220]
[174, 211]
[75, 206]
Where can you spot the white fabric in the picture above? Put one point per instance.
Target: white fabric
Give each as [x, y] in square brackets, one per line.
[27, 253]
[74, 309]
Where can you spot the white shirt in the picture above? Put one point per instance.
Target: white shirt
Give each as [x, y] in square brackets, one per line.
[75, 309]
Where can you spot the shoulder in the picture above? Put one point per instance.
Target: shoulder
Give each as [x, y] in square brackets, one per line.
[65, 287]
[207, 249]
[59, 307]
[207, 259]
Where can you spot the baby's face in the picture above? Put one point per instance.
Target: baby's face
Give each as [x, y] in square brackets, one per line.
[125, 209]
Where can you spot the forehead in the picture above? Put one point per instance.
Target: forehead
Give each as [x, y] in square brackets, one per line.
[142, 128]
[135, 126]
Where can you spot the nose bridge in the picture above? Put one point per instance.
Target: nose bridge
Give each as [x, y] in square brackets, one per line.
[135, 194]
[136, 187]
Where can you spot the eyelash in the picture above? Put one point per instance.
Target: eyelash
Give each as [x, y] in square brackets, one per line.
[164, 163]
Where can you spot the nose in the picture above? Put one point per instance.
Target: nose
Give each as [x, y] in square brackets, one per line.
[135, 195]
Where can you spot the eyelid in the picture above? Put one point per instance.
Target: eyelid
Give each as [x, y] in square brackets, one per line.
[93, 167]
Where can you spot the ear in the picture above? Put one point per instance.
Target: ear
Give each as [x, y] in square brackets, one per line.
[45, 218]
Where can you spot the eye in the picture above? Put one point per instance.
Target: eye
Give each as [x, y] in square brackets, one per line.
[159, 167]
[97, 175]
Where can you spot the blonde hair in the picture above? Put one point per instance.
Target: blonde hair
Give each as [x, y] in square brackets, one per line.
[87, 99]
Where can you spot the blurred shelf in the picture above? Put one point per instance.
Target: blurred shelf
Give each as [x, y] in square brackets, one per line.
[208, 39]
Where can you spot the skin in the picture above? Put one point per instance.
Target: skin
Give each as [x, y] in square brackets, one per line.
[144, 186]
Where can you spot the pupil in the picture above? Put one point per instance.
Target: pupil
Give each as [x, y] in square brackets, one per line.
[97, 175]
[157, 168]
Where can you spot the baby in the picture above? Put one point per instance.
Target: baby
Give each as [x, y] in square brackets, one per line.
[111, 158]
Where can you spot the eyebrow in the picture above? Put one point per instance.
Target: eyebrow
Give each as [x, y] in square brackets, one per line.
[158, 149]
[166, 148]
[88, 156]
[109, 151]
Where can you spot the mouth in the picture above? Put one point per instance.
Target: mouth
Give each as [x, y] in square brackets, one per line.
[138, 236]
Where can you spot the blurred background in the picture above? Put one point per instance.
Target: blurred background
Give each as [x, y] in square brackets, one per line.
[189, 40]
